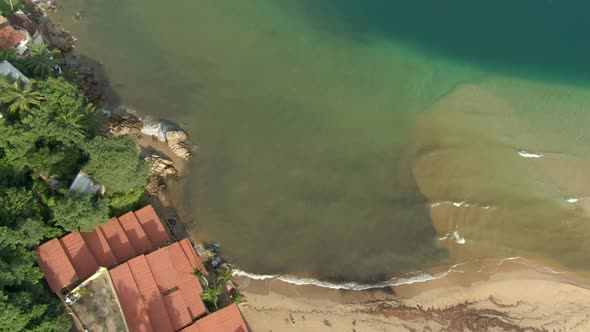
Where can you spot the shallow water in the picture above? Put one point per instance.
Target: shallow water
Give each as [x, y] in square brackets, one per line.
[357, 142]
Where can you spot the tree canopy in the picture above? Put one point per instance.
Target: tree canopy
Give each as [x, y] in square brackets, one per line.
[48, 134]
[115, 163]
[80, 212]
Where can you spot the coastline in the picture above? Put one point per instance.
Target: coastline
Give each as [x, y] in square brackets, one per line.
[497, 300]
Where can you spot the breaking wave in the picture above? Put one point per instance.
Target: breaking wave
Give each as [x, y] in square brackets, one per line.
[525, 154]
[351, 285]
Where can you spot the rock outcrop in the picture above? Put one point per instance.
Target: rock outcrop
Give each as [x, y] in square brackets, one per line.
[161, 168]
[178, 142]
[124, 124]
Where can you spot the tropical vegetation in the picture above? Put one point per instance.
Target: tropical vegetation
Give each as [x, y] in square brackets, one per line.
[48, 133]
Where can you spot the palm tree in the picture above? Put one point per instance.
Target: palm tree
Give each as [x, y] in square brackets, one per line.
[72, 119]
[224, 275]
[211, 296]
[41, 60]
[19, 96]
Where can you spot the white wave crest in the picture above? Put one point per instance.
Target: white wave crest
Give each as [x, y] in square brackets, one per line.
[351, 285]
[572, 200]
[155, 128]
[525, 154]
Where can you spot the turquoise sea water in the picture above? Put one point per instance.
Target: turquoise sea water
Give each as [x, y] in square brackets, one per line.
[351, 140]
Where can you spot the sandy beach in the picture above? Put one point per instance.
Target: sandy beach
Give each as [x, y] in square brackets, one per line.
[513, 298]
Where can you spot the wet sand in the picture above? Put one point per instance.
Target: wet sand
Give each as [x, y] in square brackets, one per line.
[516, 298]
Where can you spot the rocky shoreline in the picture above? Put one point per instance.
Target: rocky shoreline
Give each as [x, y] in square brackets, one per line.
[121, 121]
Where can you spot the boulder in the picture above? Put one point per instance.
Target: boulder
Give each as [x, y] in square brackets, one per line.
[174, 137]
[182, 149]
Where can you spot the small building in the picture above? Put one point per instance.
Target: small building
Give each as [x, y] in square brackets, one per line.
[84, 184]
[11, 38]
[8, 70]
[21, 22]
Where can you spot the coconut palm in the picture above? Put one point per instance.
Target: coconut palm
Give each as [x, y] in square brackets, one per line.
[211, 296]
[41, 60]
[19, 96]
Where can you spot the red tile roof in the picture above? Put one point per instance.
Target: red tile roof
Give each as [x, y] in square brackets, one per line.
[118, 241]
[151, 296]
[55, 264]
[177, 310]
[189, 251]
[22, 21]
[130, 298]
[164, 277]
[99, 247]
[228, 319]
[79, 254]
[9, 37]
[152, 226]
[191, 293]
[162, 269]
[135, 232]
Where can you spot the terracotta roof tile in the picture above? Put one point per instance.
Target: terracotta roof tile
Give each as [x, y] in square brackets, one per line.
[130, 298]
[150, 294]
[22, 21]
[180, 261]
[162, 269]
[152, 226]
[191, 293]
[177, 310]
[135, 233]
[228, 319]
[79, 254]
[191, 328]
[118, 241]
[53, 261]
[9, 37]
[99, 247]
[189, 251]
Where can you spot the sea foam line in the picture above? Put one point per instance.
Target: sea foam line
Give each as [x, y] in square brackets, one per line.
[351, 285]
[525, 154]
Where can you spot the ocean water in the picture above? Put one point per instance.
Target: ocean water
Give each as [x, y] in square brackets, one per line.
[346, 140]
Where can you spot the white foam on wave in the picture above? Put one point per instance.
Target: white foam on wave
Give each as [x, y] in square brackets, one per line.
[461, 204]
[351, 285]
[455, 236]
[525, 154]
[572, 200]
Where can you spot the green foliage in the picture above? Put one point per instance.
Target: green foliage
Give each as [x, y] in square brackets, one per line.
[20, 97]
[6, 8]
[46, 130]
[42, 61]
[122, 203]
[80, 212]
[115, 163]
[210, 296]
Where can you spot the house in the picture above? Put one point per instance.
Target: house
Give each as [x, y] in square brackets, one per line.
[127, 276]
[11, 38]
[8, 70]
[20, 22]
